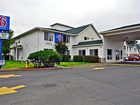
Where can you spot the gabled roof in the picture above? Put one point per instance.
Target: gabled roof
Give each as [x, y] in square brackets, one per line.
[61, 25]
[90, 42]
[73, 31]
[77, 30]
[42, 29]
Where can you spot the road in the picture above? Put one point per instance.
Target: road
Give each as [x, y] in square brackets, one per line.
[113, 85]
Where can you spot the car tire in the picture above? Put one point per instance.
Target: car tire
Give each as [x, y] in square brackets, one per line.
[134, 60]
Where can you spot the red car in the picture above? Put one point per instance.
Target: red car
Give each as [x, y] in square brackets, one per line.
[133, 58]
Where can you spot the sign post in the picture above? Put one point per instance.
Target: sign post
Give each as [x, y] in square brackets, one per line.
[4, 34]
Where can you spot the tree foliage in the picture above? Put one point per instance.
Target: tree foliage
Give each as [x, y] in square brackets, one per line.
[47, 58]
[61, 48]
[6, 43]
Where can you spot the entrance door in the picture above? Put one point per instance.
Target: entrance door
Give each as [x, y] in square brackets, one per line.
[118, 54]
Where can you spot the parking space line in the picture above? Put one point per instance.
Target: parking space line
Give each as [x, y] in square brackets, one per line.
[6, 90]
[99, 68]
[9, 75]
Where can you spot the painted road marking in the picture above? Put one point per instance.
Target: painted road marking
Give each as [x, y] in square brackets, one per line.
[9, 75]
[99, 68]
[6, 90]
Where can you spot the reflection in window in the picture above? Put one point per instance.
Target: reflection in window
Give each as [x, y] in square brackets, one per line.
[109, 54]
[82, 52]
[48, 36]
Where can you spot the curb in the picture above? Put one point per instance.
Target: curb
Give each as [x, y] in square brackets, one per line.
[31, 69]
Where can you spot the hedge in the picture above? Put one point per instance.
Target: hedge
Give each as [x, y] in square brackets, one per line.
[66, 58]
[88, 58]
[78, 58]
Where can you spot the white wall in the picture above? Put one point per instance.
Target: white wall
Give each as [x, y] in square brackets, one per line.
[114, 45]
[29, 43]
[34, 42]
[87, 48]
[88, 32]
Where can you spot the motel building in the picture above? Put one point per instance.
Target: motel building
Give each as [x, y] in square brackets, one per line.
[83, 40]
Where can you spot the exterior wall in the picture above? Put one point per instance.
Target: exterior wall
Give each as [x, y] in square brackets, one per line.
[43, 44]
[29, 43]
[114, 45]
[35, 42]
[59, 27]
[87, 49]
[51, 44]
[89, 32]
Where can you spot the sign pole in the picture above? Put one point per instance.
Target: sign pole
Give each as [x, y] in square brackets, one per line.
[0, 51]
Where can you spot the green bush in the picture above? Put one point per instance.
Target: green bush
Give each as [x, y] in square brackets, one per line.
[46, 58]
[78, 58]
[66, 58]
[91, 59]
[88, 58]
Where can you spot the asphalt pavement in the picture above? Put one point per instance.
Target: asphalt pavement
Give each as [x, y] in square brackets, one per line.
[110, 85]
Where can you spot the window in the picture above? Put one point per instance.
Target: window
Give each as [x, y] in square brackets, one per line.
[121, 54]
[66, 39]
[47, 49]
[91, 52]
[130, 48]
[109, 54]
[67, 52]
[124, 47]
[82, 52]
[48, 36]
[86, 38]
[117, 55]
[94, 52]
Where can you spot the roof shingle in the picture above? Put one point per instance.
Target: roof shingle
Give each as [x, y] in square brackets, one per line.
[90, 42]
[77, 30]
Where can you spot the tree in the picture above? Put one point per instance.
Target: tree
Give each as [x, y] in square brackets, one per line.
[61, 48]
[6, 44]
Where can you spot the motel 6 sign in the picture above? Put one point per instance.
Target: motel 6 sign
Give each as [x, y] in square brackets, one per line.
[4, 34]
[4, 23]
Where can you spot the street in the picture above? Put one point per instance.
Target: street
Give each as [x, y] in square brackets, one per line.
[110, 85]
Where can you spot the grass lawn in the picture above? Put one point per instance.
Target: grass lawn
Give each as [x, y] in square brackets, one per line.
[15, 65]
[76, 64]
[19, 65]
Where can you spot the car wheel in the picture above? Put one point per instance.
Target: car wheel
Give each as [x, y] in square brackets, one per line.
[134, 59]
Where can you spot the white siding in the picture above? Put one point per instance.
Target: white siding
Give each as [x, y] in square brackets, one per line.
[29, 43]
[114, 45]
[88, 32]
[87, 48]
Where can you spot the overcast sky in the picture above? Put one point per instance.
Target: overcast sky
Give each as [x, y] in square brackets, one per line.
[103, 14]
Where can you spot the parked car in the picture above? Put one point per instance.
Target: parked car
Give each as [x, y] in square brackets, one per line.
[133, 58]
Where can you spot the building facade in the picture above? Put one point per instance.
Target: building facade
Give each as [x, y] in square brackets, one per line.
[83, 40]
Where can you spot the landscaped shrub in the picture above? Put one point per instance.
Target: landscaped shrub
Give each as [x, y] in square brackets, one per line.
[91, 59]
[88, 58]
[66, 58]
[45, 58]
[78, 58]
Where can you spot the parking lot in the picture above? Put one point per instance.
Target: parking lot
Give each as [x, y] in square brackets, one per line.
[108, 85]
